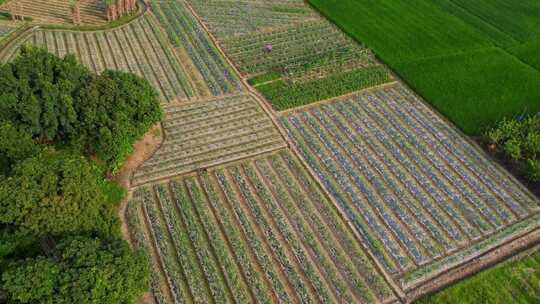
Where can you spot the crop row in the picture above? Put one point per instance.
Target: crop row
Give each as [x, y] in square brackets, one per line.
[295, 49]
[257, 231]
[401, 182]
[186, 33]
[207, 133]
[233, 18]
[138, 48]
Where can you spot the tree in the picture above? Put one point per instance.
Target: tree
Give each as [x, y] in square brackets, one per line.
[15, 146]
[115, 109]
[55, 193]
[37, 91]
[79, 270]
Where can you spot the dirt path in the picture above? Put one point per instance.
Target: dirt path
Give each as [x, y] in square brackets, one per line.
[142, 150]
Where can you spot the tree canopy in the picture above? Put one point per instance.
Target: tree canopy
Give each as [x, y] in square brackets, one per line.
[79, 270]
[56, 193]
[114, 110]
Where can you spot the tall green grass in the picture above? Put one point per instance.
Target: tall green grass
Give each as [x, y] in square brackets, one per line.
[447, 50]
[517, 281]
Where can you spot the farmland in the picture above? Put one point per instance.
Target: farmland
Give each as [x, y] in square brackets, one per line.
[291, 163]
[192, 42]
[438, 47]
[202, 134]
[310, 59]
[410, 183]
[258, 230]
[59, 11]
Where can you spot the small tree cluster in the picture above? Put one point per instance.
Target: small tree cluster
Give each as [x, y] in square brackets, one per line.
[119, 8]
[519, 139]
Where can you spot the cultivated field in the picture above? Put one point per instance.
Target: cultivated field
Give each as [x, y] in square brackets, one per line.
[475, 61]
[422, 197]
[202, 134]
[255, 231]
[290, 54]
[192, 42]
[58, 11]
[139, 47]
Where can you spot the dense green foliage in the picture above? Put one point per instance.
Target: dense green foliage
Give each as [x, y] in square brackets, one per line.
[516, 281]
[38, 91]
[438, 48]
[56, 193]
[285, 95]
[60, 101]
[15, 146]
[79, 270]
[54, 114]
[519, 139]
[528, 52]
[114, 110]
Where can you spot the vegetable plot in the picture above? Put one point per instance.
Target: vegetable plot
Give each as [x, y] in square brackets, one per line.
[202, 134]
[422, 197]
[139, 48]
[192, 42]
[255, 231]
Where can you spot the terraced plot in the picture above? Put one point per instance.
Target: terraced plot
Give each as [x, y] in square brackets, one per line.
[212, 73]
[59, 11]
[255, 231]
[422, 197]
[313, 47]
[290, 54]
[202, 134]
[139, 48]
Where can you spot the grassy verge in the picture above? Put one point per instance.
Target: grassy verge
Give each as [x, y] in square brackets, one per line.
[516, 281]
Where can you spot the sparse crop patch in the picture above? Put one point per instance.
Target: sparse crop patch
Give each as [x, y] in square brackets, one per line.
[261, 225]
[419, 194]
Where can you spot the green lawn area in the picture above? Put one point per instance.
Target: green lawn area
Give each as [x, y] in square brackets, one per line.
[517, 281]
[475, 61]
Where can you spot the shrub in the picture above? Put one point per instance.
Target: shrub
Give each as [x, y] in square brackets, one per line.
[513, 149]
[533, 169]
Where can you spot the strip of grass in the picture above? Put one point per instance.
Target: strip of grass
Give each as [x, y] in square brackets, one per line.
[516, 281]
[284, 95]
[475, 89]
[266, 77]
[437, 47]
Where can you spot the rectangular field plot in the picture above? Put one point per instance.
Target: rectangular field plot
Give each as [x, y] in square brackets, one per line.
[256, 231]
[138, 48]
[422, 197]
[202, 134]
[210, 71]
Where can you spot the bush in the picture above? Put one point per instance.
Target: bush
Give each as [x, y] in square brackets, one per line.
[533, 169]
[513, 149]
